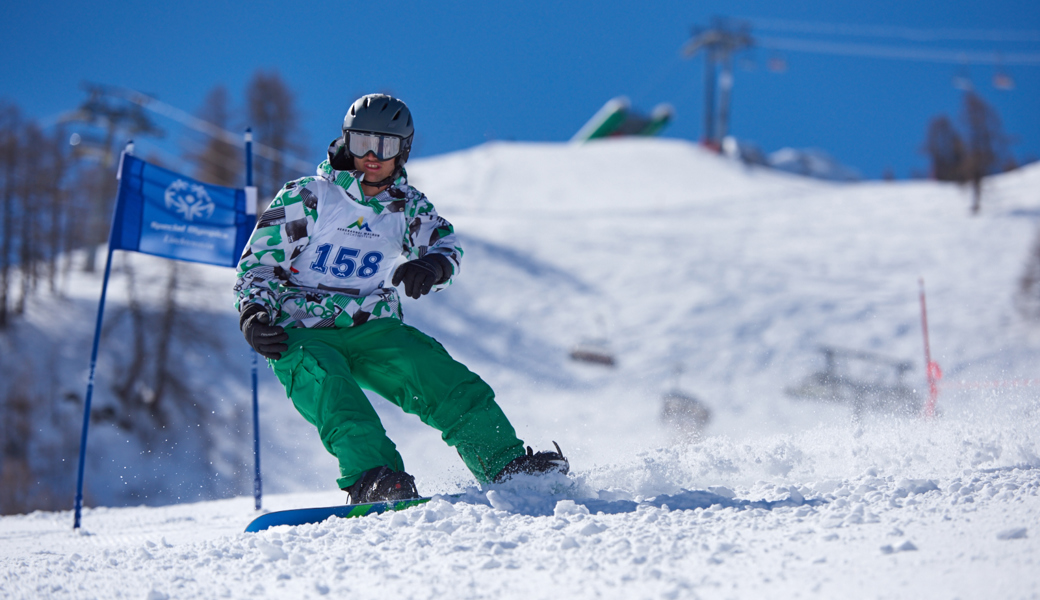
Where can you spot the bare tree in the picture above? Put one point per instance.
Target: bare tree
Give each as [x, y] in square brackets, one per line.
[16, 433]
[272, 113]
[59, 164]
[967, 158]
[1028, 299]
[28, 212]
[148, 377]
[31, 172]
[116, 118]
[986, 144]
[945, 148]
[10, 124]
[218, 162]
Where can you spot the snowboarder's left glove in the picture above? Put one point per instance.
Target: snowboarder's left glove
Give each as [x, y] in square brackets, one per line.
[267, 340]
[420, 275]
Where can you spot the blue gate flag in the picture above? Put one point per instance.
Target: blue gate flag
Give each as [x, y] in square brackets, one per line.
[164, 213]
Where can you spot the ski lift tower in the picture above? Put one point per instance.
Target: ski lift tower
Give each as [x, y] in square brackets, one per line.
[719, 42]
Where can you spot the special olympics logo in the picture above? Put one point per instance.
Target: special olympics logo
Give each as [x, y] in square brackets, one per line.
[189, 200]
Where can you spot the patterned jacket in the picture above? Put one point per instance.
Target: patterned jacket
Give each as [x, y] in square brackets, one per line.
[323, 255]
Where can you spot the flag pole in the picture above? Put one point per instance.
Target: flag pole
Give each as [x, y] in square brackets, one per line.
[257, 482]
[78, 506]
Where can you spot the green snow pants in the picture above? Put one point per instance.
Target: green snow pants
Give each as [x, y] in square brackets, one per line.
[325, 370]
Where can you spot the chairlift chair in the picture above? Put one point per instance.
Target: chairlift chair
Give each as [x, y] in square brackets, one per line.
[1002, 81]
[687, 415]
[593, 351]
[865, 380]
[684, 412]
[777, 64]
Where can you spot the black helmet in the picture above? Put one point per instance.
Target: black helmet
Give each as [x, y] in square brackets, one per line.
[379, 113]
[374, 113]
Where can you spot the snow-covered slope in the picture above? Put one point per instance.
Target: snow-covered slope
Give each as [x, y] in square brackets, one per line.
[673, 258]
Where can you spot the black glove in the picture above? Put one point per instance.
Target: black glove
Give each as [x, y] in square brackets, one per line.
[420, 275]
[266, 339]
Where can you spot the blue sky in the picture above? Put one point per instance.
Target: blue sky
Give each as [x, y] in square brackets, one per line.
[474, 71]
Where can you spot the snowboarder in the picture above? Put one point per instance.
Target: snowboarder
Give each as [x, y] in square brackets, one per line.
[313, 299]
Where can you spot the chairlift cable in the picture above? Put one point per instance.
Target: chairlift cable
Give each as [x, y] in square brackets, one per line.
[899, 53]
[185, 118]
[886, 31]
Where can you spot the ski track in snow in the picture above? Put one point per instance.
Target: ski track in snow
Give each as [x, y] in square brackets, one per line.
[736, 274]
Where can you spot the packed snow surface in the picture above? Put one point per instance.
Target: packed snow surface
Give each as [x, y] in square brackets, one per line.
[696, 275]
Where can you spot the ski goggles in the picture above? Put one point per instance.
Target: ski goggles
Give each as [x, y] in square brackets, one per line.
[383, 146]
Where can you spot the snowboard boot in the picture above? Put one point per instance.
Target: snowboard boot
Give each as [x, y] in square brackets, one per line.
[381, 485]
[534, 463]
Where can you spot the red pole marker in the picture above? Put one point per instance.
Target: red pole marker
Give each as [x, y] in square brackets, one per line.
[934, 372]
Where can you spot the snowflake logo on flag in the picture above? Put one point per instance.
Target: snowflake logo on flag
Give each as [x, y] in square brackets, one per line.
[189, 200]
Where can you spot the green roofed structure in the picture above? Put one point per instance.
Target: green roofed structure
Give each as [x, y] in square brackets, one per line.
[617, 119]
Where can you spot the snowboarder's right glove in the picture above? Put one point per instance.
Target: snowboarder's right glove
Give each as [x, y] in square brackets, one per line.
[267, 340]
[420, 275]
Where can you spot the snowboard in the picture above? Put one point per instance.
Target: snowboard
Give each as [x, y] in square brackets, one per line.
[304, 516]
